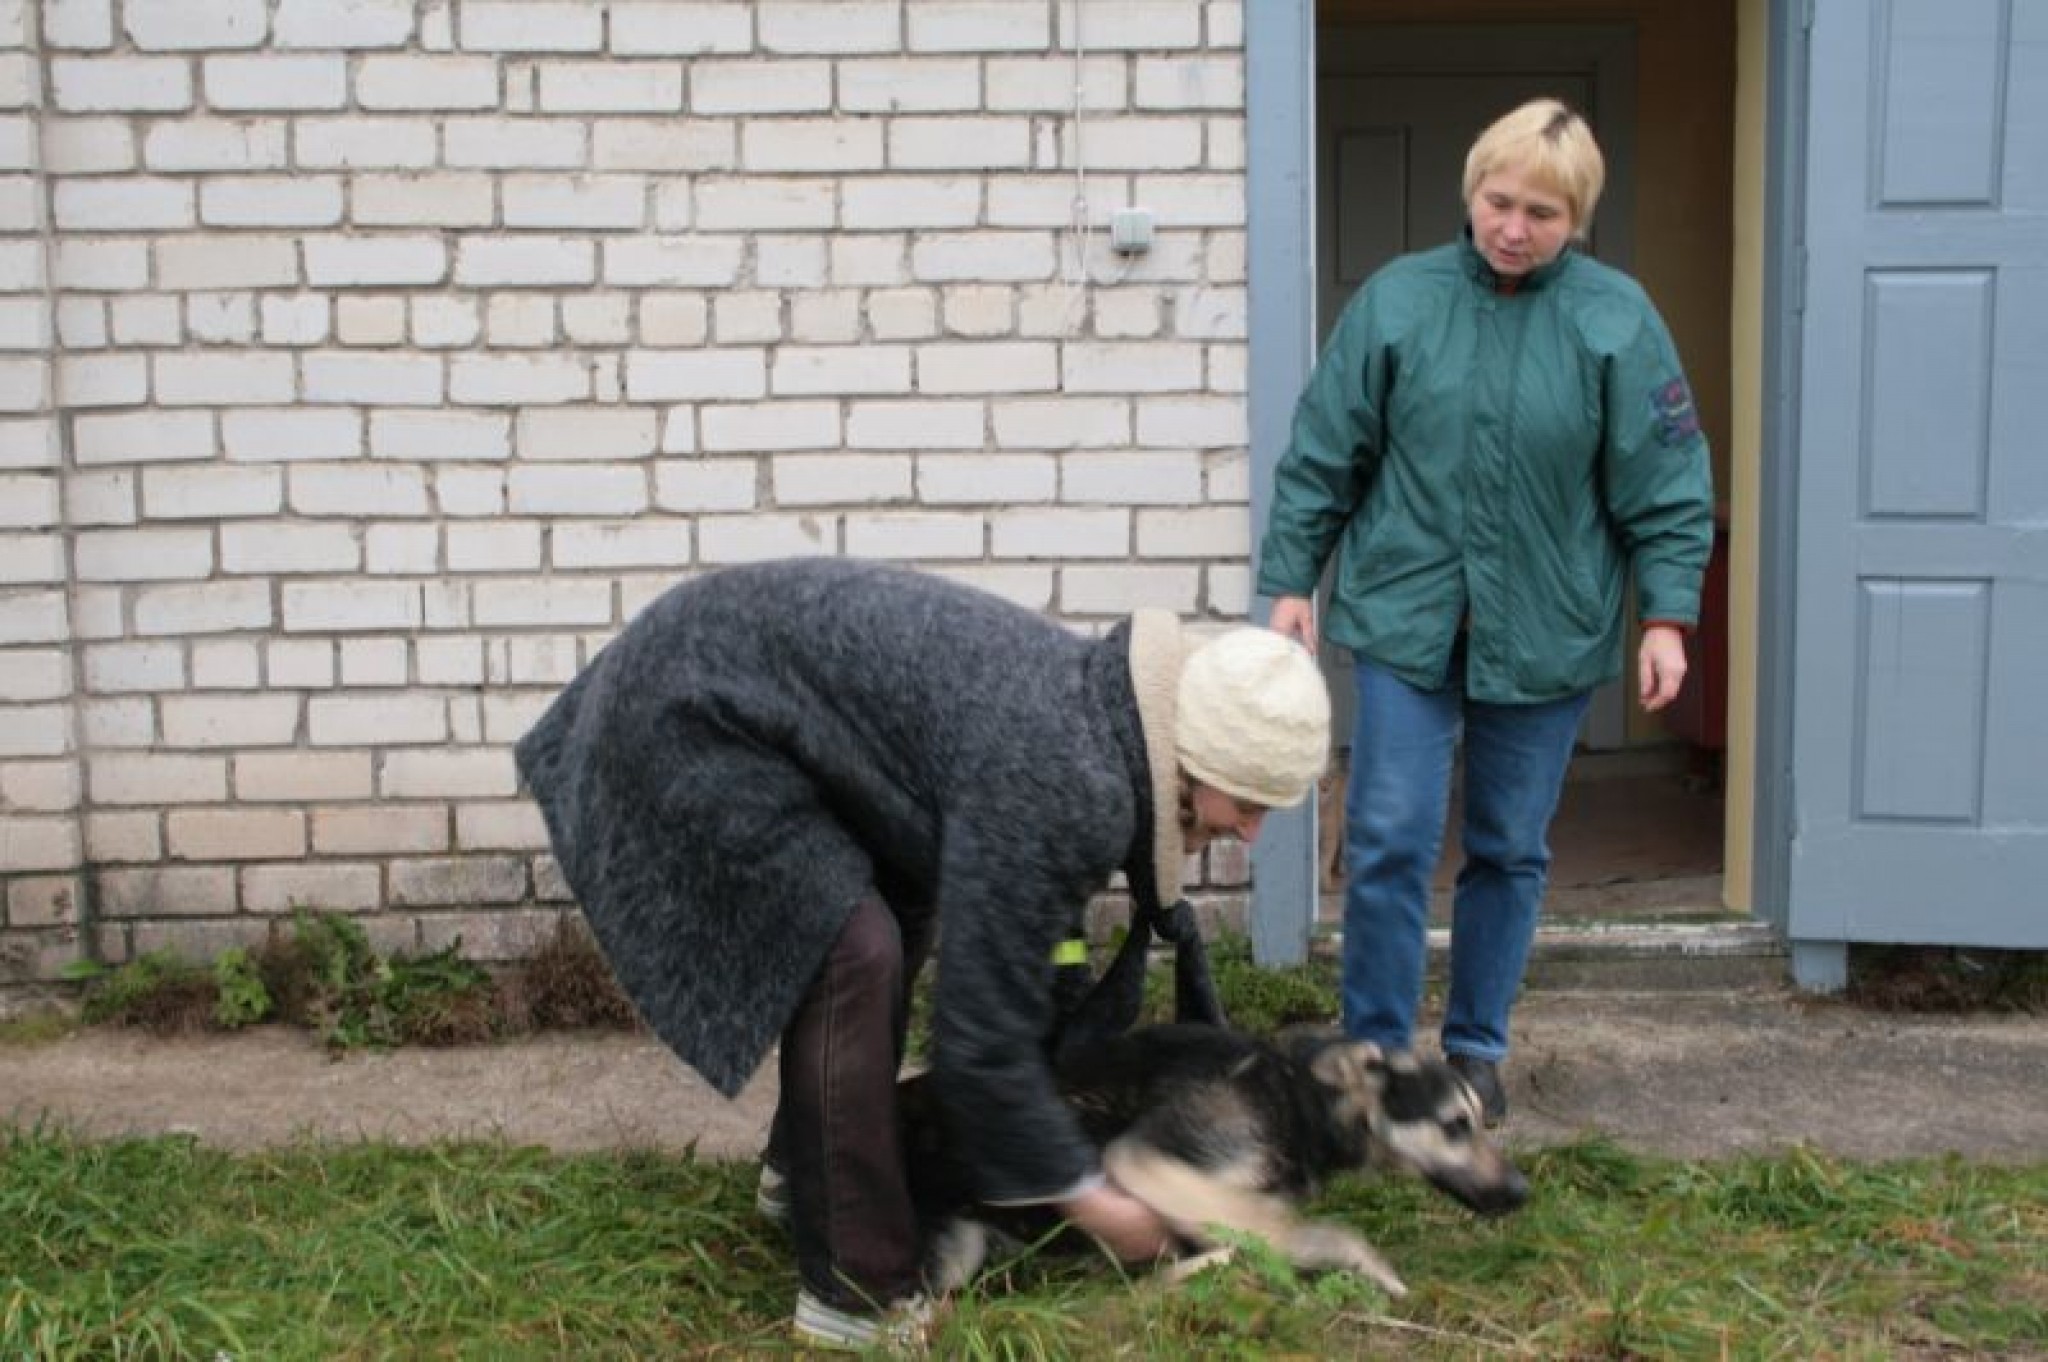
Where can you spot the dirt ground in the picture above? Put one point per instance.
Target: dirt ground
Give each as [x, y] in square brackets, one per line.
[1692, 1075]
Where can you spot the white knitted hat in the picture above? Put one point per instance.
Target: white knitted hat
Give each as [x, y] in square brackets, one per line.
[1253, 717]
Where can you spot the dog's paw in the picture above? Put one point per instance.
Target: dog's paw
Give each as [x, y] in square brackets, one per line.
[955, 1255]
[1180, 1269]
[1315, 1245]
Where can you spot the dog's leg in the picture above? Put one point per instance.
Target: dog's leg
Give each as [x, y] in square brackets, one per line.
[1191, 1201]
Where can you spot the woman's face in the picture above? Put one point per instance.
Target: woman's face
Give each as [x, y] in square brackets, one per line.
[1215, 814]
[1516, 224]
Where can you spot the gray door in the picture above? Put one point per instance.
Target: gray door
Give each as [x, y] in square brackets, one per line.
[1397, 108]
[1920, 715]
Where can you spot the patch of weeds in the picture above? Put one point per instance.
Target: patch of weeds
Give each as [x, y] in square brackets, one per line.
[1947, 979]
[158, 992]
[240, 998]
[565, 985]
[356, 998]
[39, 1027]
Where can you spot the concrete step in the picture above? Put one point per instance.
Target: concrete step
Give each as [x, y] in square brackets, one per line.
[1663, 954]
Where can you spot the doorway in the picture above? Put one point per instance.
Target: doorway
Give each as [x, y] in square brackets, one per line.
[1640, 827]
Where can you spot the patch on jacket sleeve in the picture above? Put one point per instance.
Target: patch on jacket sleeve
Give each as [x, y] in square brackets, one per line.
[1676, 418]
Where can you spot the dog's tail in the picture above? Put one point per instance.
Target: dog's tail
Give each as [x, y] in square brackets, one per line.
[1193, 1203]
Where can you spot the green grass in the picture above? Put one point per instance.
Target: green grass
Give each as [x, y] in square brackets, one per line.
[162, 1248]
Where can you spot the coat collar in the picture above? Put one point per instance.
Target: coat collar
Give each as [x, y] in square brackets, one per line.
[1487, 278]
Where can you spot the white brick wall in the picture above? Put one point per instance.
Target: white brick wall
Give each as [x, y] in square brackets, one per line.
[364, 364]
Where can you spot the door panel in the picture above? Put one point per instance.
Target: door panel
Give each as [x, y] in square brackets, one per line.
[1920, 804]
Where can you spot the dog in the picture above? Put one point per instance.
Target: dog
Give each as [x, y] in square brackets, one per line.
[1214, 1128]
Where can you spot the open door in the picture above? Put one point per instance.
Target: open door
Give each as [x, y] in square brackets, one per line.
[1919, 800]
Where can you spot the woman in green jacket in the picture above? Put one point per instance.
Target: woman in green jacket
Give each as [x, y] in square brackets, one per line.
[1497, 437]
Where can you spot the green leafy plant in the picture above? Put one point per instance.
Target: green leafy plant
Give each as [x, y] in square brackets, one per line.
[241, 998]
[158, 991]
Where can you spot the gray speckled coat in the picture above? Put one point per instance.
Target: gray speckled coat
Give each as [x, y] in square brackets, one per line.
[764, 745]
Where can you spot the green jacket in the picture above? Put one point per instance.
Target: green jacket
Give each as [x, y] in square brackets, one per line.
[1494, 460]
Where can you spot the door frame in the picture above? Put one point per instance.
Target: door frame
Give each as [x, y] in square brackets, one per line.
[1280, 69]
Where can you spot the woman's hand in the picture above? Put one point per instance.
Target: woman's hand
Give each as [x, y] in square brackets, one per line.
[1660, 665]
[1294, 616]
[1121, 1223]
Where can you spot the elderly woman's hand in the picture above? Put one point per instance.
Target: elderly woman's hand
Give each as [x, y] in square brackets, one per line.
[1660, 665]
[1122, 1224]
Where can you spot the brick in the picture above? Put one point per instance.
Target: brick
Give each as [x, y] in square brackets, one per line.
[637, 543]
[428, 200]
[464, 491]
[917, 85]
[1188, 82]
[21, 264]
[43, 900]
[344, 23]
[120, 84]
[107, 724]
[204, 608]
[189, 144]
[42, 786]
[1060, 534]
[1123, 478]
[581, 201]
[426, 436]
[840, 27]
[445, 322]
[915, 425]
[1189, 532]
[34, 731]
[450, 661]
[262, 777]
[221, 318]
[611, 87]
[226, 664]
[1127, 313]
[525, 262]
[505, 603]
[527, 320]
[401, 550]
[289, 548]
[664, 146]
[287, 434]
[278, 890]
[577, 489]
[517, 380]
[366, 143]
[251, 378]
[584, 433]
[89, 146]
[910, 535]
[301, 320]
[532, 26]
[176, 891]
[983, 256]
[923, 203]
[477, 774]
[372, 379]
[370, 321]
[961, 142]
[218, 262]
[684, 30]
[661, 262]
[760, 87]
[796, 263]
[1133, 368]
[514, 144]
[223, 721]
[31, 559]
[753, 538]
[78, 23]
[375, 720]
[235, 834]
[493, 546]
[29, 501]
[706, 485]
[102, 381]
[1139, 25]
[1137, 143]
[1211, 314]
[868, 369]
[458, 881]
[263, 84]
[739, 318]
[156, 779]
[1193, 422]
[119, 837]
[136, 437]
[1118, 590]
[407, 83]
[379, 831]
[770, 426]
[211, 493]
[306, 663]
[673, 376]
[374, 662]
[142, 555]
[986, 479]
[811, 145]
[34, 617]
[1021, 366]
[385, 261]
[350, 607]
[749, 205]
[508, 826]
[839, 478]
[24, 385]
[1062, 423]
[1035, 85]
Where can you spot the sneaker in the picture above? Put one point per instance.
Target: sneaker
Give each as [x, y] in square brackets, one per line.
[1484, 1077]
[904, 1327]
[771, 1196]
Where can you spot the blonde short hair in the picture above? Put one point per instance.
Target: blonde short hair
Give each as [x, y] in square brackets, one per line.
[1545, 140]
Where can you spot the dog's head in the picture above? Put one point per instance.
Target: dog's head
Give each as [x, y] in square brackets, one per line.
[1418, 1116]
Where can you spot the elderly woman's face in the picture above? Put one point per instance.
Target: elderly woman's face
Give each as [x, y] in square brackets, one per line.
[1517, 224]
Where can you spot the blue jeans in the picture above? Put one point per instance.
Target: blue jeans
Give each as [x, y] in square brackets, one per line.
[1401, 752]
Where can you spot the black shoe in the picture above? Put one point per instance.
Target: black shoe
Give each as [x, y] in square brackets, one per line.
[1484, 1076]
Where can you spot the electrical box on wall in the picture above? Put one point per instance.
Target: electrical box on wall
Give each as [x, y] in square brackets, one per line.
[1130, 230]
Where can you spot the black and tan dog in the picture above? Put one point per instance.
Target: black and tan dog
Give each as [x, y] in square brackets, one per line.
[1213, 1128]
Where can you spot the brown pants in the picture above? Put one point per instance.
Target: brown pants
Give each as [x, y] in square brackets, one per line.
[836, 1135]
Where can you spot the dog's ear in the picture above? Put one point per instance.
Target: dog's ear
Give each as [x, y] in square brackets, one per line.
[1351, 1066]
